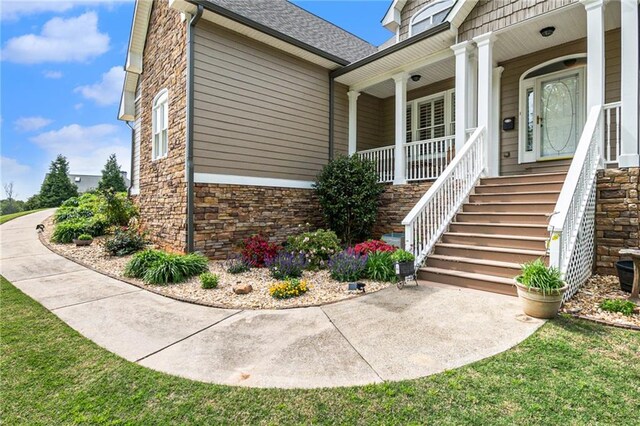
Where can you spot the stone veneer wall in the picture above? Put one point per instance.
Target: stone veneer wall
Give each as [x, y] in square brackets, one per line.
[616, 216]
[163, 198]
[396, 202]
[226, 214]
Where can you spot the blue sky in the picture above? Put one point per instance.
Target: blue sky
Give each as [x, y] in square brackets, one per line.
[61, 77]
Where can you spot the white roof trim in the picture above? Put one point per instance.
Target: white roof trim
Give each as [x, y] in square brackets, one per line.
[133, 65]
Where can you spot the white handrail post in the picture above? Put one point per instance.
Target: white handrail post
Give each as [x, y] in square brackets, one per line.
[554, 248]
[353, 121]
[629, 93]
[408, 239]
[401, 127]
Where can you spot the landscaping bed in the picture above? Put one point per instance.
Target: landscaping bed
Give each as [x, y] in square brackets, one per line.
[586, 302]
[322, 288]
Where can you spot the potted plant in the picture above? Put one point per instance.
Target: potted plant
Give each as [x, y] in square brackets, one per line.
[83, 240]
[404, 263]
[540, 288]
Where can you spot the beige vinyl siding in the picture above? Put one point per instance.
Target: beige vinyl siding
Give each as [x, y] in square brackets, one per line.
[135, 165]
[257, 111]
[510, 95]
[340, 119]
[389, 107]
[491, 15]
[410, 8]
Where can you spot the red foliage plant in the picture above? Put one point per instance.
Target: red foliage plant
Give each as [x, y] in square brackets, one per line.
[256, 251]
[373, 246]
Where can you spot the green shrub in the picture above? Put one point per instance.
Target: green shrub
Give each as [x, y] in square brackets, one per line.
[117, 207]
[380, 267]
[124, 241]
[625, 307]
[541, 277]
[84, 237]
[317, 247]
[401, 256]
[141, 262]
[209, 280]
[236, 266]
[65, 232]
[157, 267]
[349, 192]
[288, 289]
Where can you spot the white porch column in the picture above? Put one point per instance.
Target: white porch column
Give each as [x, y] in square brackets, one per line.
[463, 89]
[629, 97]
[353, 121]
[485, 98]
[595, 52]
[401, 127]
[496, 128]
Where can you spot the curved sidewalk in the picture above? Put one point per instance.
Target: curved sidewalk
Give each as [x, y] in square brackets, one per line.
[389, 335]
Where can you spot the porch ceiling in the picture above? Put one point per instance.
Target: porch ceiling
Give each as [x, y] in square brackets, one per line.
[570, 23]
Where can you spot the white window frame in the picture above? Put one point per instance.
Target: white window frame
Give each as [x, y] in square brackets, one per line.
[160, 137]
[449, 122]
[437, 7]
[533, 83]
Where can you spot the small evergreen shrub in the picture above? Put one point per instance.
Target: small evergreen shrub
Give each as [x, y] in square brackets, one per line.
[288, 289]
[84, 237]
[317, 247]
[401, 256]
[209, 280]
[287, 265]
[624, 307]
[347, 266]
[236, 266]
[256, 250]
[65, 232]
[117, 207]
[373, 246]
[379, 267]
[349, 192]
[124, 241]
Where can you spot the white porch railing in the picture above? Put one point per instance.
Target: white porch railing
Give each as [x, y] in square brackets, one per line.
[426, 222]
[384, 161]
[571, 246]
[611, 132]
[427, 159]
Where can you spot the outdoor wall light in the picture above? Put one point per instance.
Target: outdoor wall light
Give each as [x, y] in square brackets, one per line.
[547, 31]
[416, 77]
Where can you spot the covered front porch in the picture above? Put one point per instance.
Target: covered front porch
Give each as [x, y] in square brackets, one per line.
[412, 106]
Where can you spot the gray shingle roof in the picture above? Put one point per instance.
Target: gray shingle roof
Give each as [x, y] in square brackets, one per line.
[293, 21]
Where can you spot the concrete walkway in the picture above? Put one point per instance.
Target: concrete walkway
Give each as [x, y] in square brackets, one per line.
[389, 335]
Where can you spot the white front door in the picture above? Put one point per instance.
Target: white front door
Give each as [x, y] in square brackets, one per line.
[554, 115]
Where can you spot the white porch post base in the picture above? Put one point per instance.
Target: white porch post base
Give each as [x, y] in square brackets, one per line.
[629, 97]
[401, 128]
[485, 98]
[463, 88]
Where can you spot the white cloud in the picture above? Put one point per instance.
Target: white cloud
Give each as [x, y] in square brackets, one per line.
[52, 74]
[31, 124]
[26, 181]
[87, 148]
[61, 40]
[12, 10]
[107, 90]
[78, 106]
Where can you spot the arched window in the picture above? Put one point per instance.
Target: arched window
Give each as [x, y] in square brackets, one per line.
[430, 16]
[160, 125]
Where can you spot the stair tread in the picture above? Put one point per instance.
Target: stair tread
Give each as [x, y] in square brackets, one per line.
[505, 225]
[487, 262]
[494, 249]
[505, 214]
[515, 203]
[506, 237]
[529, 175]
[501, 185]
[518, 193]
[475, 276]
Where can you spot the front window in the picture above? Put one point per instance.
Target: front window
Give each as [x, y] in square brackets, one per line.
[430, 16]
[160, 124]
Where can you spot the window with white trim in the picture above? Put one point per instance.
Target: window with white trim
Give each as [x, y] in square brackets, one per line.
[430, 16]
[431, 117]
[160, 125]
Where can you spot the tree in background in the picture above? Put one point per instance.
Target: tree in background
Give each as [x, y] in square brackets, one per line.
[56, 187]
[112, 176]
[10, 204]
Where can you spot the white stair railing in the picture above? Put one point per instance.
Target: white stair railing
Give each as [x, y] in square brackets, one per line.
[430, 218]
[383, 159]
[571, 245]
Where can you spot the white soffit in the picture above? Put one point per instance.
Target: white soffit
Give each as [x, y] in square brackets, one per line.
[429, 50]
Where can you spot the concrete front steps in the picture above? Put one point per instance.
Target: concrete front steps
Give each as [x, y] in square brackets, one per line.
[503, 225]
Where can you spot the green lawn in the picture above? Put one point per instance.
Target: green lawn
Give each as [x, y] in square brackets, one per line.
[7, 217]
[570, 372]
